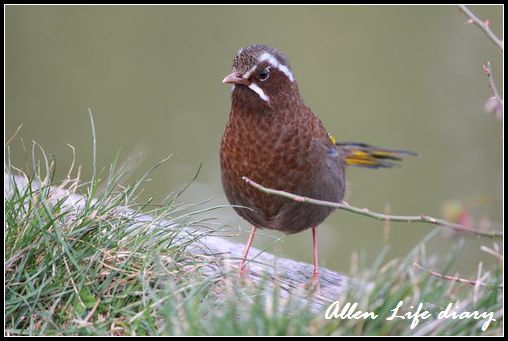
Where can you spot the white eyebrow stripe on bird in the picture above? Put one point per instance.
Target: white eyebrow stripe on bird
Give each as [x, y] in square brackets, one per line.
[254, 87]
[248, 73]
[267, 57]
[275, 63]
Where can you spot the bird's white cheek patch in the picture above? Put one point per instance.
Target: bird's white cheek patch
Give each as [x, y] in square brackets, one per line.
[254, 87]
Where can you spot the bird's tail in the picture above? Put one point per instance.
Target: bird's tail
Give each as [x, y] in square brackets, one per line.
[364, 155]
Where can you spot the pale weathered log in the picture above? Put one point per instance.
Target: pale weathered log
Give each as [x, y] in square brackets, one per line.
[292, 277]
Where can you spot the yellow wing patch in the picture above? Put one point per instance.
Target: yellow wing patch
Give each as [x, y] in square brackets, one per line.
[332, 138]
[361, 158]
[363, 155]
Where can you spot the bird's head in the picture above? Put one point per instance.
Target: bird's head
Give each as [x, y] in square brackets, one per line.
[261, 75]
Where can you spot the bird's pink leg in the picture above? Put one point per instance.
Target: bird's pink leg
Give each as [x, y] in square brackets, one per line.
[243, 268]
[315, 273]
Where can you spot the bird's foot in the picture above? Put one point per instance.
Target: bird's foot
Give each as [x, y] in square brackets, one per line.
[314, 285]
[243, 272]
[315, 278]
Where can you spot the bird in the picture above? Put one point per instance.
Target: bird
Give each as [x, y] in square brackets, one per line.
[274, 139]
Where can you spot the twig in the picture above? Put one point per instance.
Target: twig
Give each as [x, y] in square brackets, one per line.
[483, 25]
[487, 68]
[494, 104]
[380, 216]
[455, 278]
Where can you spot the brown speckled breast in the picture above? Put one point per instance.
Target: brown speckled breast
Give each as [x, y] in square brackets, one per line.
[284, 151]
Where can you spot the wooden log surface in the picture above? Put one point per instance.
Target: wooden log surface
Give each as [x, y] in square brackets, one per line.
[290, 276]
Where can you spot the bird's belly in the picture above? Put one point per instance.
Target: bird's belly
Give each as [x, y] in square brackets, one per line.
[294, 170]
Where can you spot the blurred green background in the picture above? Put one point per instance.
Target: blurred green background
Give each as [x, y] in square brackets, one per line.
[400, 77]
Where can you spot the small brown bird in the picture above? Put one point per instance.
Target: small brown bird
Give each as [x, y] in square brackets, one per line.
[274, 139]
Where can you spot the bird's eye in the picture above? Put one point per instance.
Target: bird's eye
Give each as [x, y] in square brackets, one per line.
[263, 75]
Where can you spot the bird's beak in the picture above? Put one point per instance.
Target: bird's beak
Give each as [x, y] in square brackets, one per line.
[235, 78]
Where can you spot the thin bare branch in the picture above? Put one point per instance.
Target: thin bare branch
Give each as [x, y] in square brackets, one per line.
[475, 282]
[484, 25]
[499, 106]
[380, 216]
